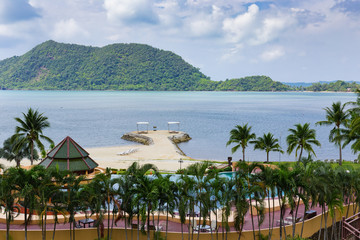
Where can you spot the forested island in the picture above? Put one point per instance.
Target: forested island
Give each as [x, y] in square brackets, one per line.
[58, 66]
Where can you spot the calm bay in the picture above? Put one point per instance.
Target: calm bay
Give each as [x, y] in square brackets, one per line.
[100, 118]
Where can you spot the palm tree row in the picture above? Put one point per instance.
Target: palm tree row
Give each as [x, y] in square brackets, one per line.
[138, 199]
[346, 129]
[300, 138]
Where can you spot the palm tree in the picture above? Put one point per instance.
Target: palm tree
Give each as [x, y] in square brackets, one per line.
[301, 138]
[26, 182]
[30, 131]
[240, 198]
[337, 116]
[267, 143]
[136, 174]
[126, 190]
[8, 151]
[240, 135]
[74, 198]
[44, 191]
[184, 194]
[202, 179]
[106, 192]
[8, 199]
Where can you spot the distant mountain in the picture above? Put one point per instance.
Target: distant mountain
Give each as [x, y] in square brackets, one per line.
[307, 84]
[336, 86]
[53, 65]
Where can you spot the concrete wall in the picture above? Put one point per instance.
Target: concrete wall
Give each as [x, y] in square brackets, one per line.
[311, 226]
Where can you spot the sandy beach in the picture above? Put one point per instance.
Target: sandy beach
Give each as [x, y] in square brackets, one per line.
[163, 153]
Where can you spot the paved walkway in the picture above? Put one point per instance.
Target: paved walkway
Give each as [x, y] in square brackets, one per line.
[173, 226]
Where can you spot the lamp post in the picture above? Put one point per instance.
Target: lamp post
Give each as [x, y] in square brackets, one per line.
[180, 161]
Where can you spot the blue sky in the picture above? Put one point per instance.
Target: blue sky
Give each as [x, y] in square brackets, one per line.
[288, 40]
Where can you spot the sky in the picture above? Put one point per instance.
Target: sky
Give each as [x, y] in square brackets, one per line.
[287, 40]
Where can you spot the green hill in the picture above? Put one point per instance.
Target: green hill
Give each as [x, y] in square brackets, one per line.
[53, 65]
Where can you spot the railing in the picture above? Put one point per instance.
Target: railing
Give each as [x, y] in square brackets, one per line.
[351, 227]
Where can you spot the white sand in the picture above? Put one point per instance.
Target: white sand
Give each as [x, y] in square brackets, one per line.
[163, 153]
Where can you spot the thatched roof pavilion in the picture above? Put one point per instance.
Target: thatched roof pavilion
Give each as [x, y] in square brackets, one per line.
[68, 155]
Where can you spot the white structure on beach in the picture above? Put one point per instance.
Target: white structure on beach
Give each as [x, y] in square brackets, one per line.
[142, 123]
[174, 123]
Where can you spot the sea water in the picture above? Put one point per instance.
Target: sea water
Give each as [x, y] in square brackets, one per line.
[100, 118]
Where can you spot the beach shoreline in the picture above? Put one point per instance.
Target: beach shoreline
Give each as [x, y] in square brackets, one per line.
[164, 153]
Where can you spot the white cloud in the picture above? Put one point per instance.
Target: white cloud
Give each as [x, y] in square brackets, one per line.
[68, 30]
[242, 25]
[272, 54]
[130, 11]
[204, 24]
[216, 34]
[271, 28]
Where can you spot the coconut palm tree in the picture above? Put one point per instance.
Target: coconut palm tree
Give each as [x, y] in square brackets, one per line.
[9, 153]
[26, 182]
[44, 191]
[136, 174]
[267, 143]
[240, 198]
[74, 199]
[30, 131]
[240, 135]
[301, 138]
[339, 117]
[8, 199]
[125, 191]
[106, 192]
[199, 171]
[183, 195]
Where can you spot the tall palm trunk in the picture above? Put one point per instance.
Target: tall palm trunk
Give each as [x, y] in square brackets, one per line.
[267, 192]
[243, 152]
[198, 235]
[126, 235]
[108, 217]
[273, 216]
[182, 231]
[325, 229]
[7, 215]
[340, 161]
[167, 220]
[148, 221]
[25, 216]
[252, 217]
[321, 221]
[138, 225]
[32, 152]
[301, 151]
[54, 230]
